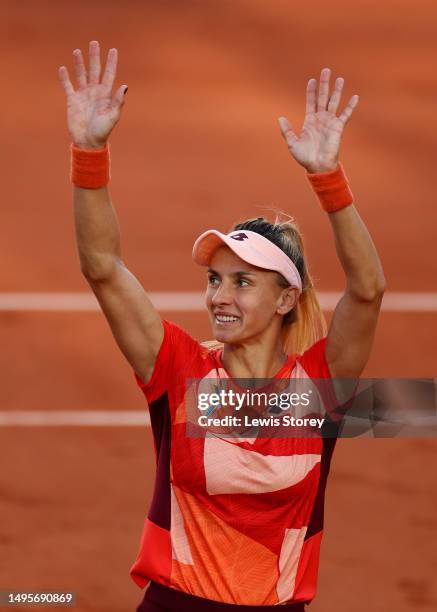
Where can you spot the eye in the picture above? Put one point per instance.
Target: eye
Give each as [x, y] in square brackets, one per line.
[242, 282]
[213, 281]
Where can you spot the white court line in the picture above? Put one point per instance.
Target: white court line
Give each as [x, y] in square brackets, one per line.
[59, 418]
[193, 301]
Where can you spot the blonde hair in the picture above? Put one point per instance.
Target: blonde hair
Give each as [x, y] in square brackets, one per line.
[306, 323]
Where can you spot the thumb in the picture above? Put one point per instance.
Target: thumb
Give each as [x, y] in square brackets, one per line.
[287, 130]
[119, 97]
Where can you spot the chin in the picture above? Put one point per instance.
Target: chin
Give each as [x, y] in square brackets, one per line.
[226, 335]
[223, 336]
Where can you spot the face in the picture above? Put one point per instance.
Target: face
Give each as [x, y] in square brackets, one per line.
[244, 301]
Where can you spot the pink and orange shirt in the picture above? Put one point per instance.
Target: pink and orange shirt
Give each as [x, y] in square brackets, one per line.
[235, 521]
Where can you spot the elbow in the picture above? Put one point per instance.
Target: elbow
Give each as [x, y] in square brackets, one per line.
[98, 271]
[382, 286]
[370, 291]
[94, 276]
[378, 288]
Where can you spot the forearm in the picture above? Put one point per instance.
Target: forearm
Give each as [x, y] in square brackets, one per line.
[93, 110]
[357, 254]
[97, 231]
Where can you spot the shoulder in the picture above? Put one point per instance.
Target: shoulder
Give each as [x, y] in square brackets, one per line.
[182, 341]
[174, 333]
[313, 360]
[179, 345]
[180, 356]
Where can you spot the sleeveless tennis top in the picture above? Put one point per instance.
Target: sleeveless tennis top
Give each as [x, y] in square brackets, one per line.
[235, 521]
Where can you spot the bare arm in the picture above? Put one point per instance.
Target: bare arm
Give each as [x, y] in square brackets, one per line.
[93, 111]
[353, 325]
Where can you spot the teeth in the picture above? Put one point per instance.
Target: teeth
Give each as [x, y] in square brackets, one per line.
[225, 318]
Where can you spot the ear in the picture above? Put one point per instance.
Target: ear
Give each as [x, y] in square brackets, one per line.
[287, 300]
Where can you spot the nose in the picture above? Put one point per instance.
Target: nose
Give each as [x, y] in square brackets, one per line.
[222, 295]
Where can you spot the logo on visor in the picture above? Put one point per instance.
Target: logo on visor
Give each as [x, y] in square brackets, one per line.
[241, 236]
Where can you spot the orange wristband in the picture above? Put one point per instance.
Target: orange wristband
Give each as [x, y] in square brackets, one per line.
[90, 167]
[332, 189]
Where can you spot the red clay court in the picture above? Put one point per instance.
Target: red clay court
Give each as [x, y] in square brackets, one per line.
[198, 146]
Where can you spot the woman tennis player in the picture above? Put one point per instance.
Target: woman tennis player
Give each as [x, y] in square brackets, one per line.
[234, 522]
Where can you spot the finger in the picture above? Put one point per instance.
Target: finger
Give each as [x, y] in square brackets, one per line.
[287, 130]
[334, 100]
[347, 113]
[119, 97]
[311, 96]
[79, 66]
[94, 53]
[65, 81]
[110, 68]
[323, 89]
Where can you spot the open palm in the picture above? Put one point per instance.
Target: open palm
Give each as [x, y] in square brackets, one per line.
[317, 146]
[92, 109]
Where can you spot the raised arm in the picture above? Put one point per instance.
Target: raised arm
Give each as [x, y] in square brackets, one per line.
[316, 148]
[93, 110]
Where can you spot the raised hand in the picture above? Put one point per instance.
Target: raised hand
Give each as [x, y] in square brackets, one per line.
[318, 144]
[92, 109]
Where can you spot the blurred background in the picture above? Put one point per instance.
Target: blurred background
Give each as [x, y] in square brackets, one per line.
[199, 146]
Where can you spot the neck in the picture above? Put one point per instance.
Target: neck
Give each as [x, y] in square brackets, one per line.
[254, 359]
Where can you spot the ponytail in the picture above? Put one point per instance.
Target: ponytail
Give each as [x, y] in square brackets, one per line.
[309, 326]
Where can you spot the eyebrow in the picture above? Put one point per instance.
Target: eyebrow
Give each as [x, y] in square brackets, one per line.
[239, 273]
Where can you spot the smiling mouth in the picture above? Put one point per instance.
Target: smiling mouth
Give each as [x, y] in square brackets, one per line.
[225, 319]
